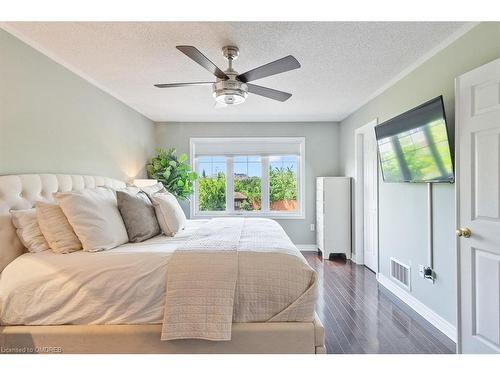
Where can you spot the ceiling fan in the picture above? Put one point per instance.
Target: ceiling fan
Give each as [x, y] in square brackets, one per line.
[231, 88]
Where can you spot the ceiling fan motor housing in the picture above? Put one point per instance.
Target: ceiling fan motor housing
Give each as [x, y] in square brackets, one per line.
[230, 91]
[230, 52]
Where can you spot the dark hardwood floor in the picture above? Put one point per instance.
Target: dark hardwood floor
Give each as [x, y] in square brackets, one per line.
[360, 316]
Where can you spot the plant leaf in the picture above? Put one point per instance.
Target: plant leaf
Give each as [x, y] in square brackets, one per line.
[173, 171]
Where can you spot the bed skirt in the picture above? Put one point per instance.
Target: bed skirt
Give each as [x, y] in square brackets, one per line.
[247, 338]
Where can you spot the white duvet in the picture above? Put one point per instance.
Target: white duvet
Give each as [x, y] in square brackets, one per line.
[125, 285]
[130, 284]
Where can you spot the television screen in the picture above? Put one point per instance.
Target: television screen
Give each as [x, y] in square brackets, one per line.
[414, 146]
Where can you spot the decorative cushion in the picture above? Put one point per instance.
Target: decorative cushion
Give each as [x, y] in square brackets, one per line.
[56, 228]
[28, 230]
[169, 213]
[138, 214]
[94, 216]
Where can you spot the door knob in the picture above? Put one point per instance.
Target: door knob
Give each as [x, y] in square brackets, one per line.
[463, 232]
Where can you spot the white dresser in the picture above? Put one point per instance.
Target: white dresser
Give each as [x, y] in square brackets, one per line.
[333, 215]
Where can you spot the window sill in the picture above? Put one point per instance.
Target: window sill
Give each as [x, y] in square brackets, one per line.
[270, 215]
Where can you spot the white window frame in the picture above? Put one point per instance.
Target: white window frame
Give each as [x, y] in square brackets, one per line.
[264, 212]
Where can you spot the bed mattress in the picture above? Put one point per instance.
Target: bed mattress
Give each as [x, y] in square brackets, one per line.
[127, 285]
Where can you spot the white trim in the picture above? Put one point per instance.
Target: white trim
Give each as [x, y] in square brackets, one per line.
[307, 247]
[358, 257]
[431, 316]
[265, 204]
[275, 215]
[301, 187]
[422, 59]
[458, 127]
[229, 186]
[54, 57]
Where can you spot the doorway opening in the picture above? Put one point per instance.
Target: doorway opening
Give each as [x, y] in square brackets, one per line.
[366, 197]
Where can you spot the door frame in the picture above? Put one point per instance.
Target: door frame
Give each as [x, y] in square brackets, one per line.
[458, 120]
[359, 194]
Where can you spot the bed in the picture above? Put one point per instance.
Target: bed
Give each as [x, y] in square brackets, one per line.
[114, 301]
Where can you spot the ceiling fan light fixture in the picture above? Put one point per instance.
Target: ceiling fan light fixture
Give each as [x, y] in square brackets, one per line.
[230, 92]
[230, 99]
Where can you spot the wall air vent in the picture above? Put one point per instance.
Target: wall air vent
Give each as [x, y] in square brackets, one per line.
[401, 273]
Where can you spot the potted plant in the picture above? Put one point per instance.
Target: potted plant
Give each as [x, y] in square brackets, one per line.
[173, 171]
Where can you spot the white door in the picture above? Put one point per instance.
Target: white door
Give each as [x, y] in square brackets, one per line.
[370, 200]
[478, 141]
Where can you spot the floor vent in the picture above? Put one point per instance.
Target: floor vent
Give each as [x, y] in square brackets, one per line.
[401, 273]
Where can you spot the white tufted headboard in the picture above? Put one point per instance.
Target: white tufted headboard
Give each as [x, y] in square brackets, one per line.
[20, 192]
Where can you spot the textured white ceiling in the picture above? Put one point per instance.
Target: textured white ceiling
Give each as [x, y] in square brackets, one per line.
[343, 63]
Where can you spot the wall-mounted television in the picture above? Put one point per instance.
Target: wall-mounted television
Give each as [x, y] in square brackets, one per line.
[414, 146]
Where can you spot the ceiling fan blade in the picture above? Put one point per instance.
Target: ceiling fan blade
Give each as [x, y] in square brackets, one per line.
[194, 54]
[166, 85]
[276, 67]
[268, 93]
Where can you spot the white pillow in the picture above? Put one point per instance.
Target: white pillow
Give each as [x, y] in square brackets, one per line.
[28, 230]
[154, 189]
[169, 213]
[94, 216]
[56, 228]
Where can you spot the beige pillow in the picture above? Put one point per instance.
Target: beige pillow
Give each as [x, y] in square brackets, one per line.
[56, 228]
[28, 230]
[94, 216]
[169, 213]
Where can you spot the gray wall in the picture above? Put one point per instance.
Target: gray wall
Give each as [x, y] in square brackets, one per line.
[322, 155]
[53, 121]
[403, 221]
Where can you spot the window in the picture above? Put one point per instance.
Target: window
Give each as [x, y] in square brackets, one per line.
[248, 176]
[247, 183]
[283, 183]
[212, 183]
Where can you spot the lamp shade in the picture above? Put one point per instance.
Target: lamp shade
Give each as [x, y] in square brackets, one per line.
[142, 182]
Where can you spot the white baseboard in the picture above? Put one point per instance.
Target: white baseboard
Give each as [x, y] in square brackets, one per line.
[357, 259]
[307, 247]
[436, 320]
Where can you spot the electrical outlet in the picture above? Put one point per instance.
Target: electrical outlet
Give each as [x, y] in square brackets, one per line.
[313, 227]
[423, 270]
